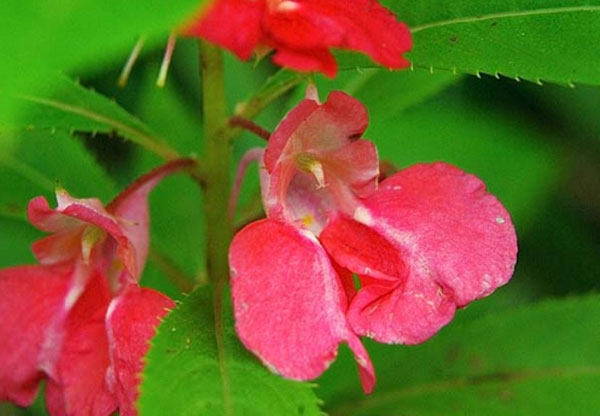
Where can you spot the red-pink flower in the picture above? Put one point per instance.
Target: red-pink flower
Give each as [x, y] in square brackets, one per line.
[79, 319]
[303, 31]
[424, 242]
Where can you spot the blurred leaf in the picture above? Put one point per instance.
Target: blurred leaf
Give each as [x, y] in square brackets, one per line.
[550, 40]
[562, 246]
[577, 110]
[167, 114]
[15, 241]
[32, 162]
[388, 93]
[176, 203]
[384, 93]
[534, 360]
[66, 105]
[183, 375]
[41, 36]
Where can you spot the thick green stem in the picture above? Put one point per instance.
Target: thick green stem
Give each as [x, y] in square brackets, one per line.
[217, 154]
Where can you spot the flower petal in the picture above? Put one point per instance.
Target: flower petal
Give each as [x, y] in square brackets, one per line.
[79, 386]
[233, 24]
[130, 208]
[362, 25]
[285, 129]
[317, 129]
[356, 165]
[131, 322]
[362, 250]
[457, 233]
[289, 304]
[408, 313]
[70, 215]
[318, 59]
[32, 297]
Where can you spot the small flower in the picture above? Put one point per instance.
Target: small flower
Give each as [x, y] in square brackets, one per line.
[426, 241]
[79, 319]
[302, 31]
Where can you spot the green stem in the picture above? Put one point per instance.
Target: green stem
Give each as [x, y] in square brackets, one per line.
[217, 155]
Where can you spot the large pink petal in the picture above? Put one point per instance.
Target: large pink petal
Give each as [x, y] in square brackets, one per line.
[79, 385]
[289, 304]
[232, 24]
[453, 243]
[131, 322]
[393, 305]
[457, 233]
[32, 297]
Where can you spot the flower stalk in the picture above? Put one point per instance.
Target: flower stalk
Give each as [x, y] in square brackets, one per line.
[217, 154]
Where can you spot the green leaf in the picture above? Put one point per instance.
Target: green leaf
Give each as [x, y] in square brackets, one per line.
[183, 374]
[65, 105]
[535, 40]
[41, 36]
[534, 360]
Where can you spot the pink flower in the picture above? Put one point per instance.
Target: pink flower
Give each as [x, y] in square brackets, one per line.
[424, 242]
[79, 319]
[303, 31]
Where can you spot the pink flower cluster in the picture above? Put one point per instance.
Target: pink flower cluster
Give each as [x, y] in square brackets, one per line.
[302, 31]
[341, 256]
[79, 319]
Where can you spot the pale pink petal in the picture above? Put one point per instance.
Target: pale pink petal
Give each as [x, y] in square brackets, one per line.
[458, 234]
[79, 386]
[72, 215]
[356, 165]
[130, 208]
[131, 322]
[319, 164]
[318, 129]
[59, 247]
[233, 24]
[285, 129]
[289, 304]
[32, 296]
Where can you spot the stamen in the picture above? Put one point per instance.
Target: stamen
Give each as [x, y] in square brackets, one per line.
[311, 92]
[309, 163]
[92, 236]
[124, 77]
[166, 62]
